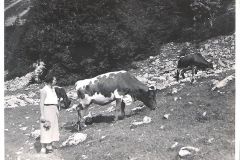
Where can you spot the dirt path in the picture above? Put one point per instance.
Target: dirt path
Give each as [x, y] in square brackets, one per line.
[12, 5]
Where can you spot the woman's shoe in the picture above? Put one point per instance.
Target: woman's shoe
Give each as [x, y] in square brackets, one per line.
[49, 148]
[43, 150]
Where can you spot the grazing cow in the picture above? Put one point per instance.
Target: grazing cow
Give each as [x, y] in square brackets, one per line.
[192, 62]
[113, 86]
[62, 97]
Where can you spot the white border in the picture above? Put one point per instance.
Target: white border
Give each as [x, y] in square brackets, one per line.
[237, 60]
[237, 66]
[2, 150]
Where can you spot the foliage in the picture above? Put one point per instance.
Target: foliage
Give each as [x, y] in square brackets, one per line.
[79, 38]
[205, 10]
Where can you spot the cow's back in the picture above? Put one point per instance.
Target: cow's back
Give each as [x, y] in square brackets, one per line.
[107, 83]
[192, 59]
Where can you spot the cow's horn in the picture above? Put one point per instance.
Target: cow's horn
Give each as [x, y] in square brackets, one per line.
[152, 88]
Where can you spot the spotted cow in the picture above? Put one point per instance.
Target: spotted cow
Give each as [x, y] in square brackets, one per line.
[113, 86]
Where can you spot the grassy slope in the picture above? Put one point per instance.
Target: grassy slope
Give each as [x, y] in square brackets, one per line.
[186, 125]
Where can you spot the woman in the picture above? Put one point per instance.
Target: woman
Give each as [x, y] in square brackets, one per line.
[49, 115]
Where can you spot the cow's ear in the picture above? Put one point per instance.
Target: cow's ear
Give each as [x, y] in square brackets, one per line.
[152, 88]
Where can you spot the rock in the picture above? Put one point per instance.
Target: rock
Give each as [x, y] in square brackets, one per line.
[147, 119]
[221, 63]
[210, 140]
[74, 139]
[204, 114]
[159, 79]
[31, 94]
[223, 82]
[175, 98]
[19, 152]
[174, 145]
[185, 151]
[170, 78]
[206, 46]
[174, 90]
[151, 57]
[35, 134]
[145, 75]
[166, 116]
[151, 82]
[84, 156]
[23, 128]
[137, 123]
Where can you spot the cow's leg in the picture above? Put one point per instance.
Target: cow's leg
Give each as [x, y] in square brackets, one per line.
[177, 75]
[182, 73]
[196, 70]
[81, 112]
[79, 119]
[192, 80]
[118, 108]
[123, 109]
[185, 70]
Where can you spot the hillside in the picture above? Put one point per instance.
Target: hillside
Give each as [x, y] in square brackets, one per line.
[80, 39]
[194, 114]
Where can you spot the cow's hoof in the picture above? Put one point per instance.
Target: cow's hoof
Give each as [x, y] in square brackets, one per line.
[77, 126]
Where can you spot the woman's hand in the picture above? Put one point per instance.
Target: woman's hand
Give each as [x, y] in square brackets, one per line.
[42, 119]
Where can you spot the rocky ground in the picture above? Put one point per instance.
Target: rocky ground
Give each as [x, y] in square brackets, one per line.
[193, 116]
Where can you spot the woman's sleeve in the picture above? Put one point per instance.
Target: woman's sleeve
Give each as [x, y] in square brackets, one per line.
[43, 95]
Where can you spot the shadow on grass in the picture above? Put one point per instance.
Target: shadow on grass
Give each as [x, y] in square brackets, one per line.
[72, 126]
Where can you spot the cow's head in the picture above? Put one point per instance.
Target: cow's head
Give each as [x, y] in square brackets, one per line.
[149, 98]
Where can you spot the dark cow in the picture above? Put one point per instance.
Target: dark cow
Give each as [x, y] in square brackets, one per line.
[113, 86]
[192, 62]
[62, 97]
